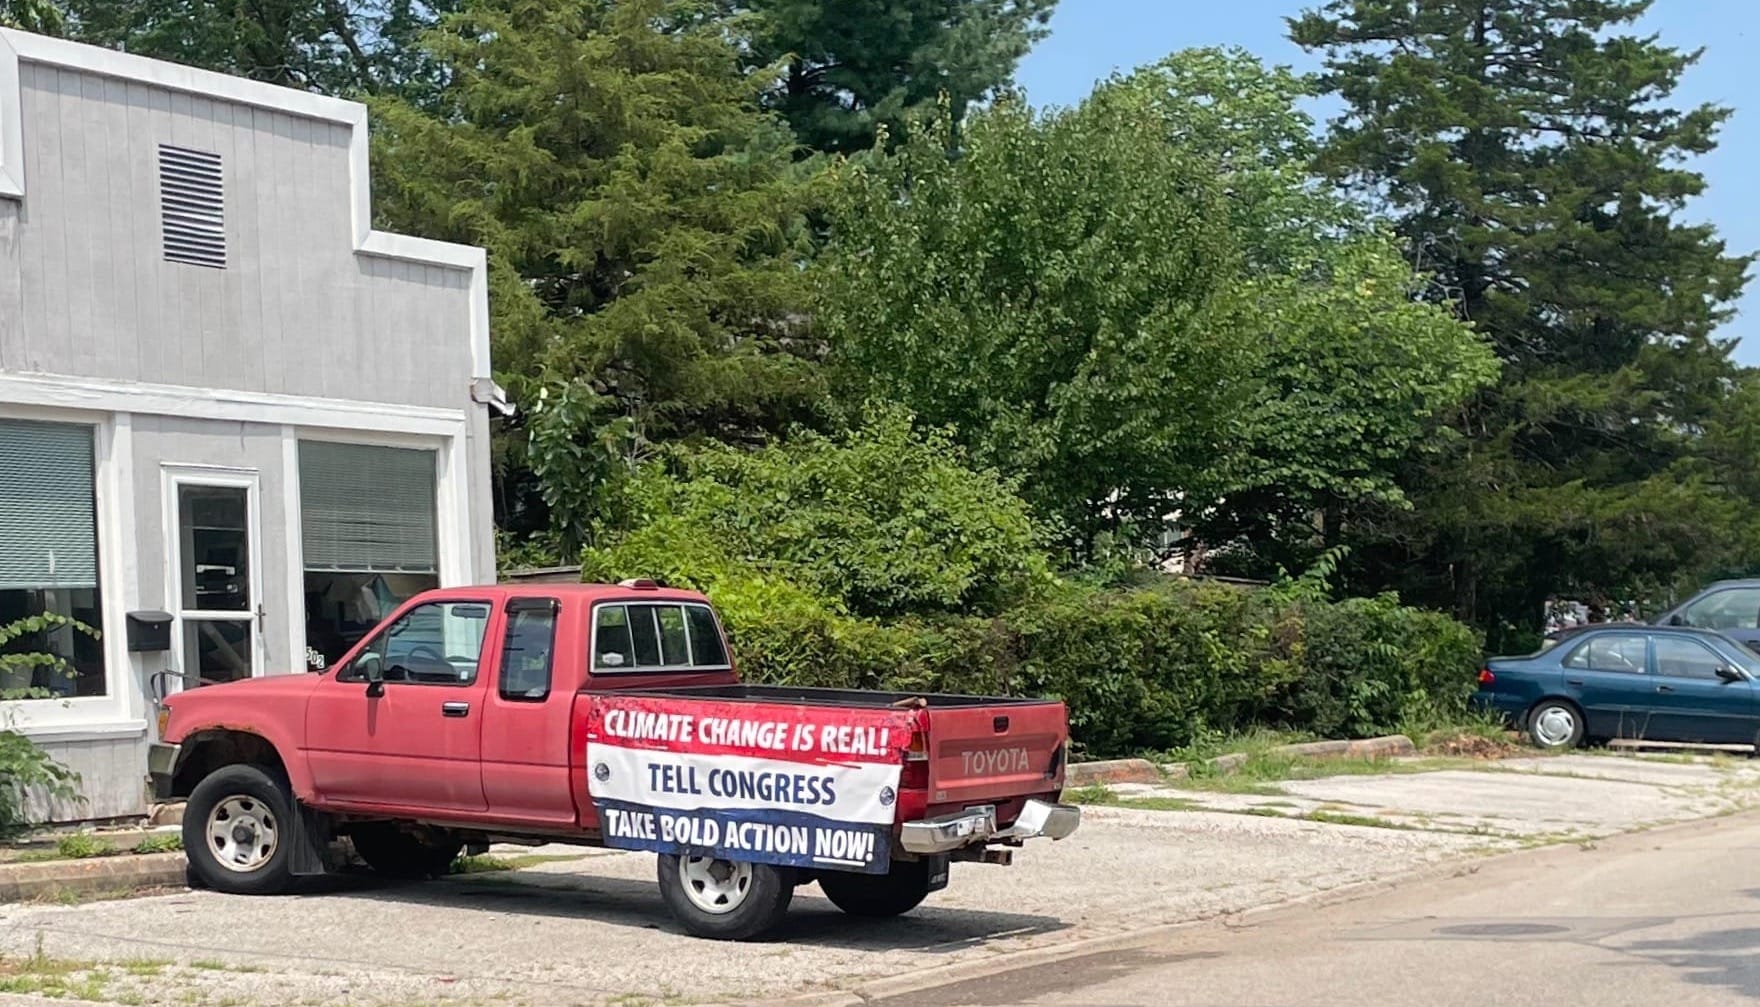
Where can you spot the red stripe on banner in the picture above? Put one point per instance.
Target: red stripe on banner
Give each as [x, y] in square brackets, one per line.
[805, 734]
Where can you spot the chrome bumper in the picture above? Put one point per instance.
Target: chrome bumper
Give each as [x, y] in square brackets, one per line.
[945, 833]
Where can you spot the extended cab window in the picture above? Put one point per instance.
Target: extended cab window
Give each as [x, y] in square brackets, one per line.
[434, 644]
[528, 649]
[656, 636]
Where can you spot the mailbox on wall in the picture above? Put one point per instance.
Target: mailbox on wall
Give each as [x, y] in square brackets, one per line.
[149, 632]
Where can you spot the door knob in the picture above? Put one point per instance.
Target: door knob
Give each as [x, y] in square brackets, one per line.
[455, 709]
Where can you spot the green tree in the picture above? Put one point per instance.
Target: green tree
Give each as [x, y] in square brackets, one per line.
[645, 225]
[41, 16]
[341, 47]
[857, 65]
[881, 520]
[1143, 306]
[1529, 157]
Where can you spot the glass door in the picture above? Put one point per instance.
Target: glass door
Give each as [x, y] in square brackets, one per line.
[216, 575]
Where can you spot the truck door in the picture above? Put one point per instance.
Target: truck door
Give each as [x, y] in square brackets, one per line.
[528, 712]
[417, 741]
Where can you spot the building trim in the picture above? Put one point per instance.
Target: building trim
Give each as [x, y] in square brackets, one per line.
[19, 46]
[54, 391]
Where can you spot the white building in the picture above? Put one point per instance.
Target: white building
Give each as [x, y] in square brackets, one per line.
[223, 395]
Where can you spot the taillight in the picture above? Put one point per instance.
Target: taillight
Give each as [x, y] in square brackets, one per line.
[1486, 677]
[916, 763]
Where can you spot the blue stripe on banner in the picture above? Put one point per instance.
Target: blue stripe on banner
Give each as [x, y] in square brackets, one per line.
[755, 835]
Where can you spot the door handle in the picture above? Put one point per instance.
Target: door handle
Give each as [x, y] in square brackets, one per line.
[1573, 681]
[455, 709]
[1665, 688]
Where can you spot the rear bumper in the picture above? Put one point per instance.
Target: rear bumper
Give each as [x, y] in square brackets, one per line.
[975, 826]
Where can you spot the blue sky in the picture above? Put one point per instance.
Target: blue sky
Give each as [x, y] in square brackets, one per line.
[1092, 38]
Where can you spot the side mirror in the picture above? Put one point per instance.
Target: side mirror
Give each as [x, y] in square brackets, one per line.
[1728, 674]
[1677, 620]
[373, 670]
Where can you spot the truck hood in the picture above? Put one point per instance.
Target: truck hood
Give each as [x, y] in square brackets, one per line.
[233, 703]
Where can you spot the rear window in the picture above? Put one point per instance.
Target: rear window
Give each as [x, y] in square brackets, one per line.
[654, 636]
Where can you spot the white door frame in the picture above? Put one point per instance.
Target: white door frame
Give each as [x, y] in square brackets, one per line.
[173, 478]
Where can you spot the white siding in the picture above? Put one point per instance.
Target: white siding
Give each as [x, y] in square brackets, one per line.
[113, 780]
[295, 311]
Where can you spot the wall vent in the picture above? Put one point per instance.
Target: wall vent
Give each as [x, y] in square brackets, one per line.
[192, 206]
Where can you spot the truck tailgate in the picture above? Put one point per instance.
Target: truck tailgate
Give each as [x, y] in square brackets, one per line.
[989, 753]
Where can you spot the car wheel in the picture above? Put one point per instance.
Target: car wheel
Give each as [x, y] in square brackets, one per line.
[238, 831]
[397, 854]
[878, 895]
[726, 900]
[1555, 725]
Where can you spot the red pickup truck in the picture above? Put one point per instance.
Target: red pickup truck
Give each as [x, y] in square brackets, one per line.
[607, 716]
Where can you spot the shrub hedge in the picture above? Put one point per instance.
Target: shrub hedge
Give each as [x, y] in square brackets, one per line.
[1142, 668]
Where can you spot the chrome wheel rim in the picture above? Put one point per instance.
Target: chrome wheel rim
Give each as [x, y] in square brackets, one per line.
[243, 833]
[1554, 726]
[715, 886]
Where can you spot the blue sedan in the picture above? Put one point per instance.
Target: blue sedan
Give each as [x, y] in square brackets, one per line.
[1659, 683]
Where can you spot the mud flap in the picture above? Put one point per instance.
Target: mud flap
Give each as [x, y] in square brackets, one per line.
[310, 854]
[938, 871]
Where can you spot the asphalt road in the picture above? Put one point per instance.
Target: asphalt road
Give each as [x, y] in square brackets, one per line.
[1665, 917]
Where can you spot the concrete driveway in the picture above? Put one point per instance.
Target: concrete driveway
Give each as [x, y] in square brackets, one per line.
[592, 930]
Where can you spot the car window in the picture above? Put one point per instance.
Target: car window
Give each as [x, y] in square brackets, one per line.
[1735, 608]
[1679, 658]
[640, 637]
[438, 643]
[1609, 652]
[528, 650]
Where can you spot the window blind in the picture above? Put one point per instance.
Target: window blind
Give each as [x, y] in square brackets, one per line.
[366, 509]
[48, 530]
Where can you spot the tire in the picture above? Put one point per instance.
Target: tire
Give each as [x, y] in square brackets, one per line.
[741, 902]
[403, 856]
[238, 831]
[1555, 725]
[878, 895]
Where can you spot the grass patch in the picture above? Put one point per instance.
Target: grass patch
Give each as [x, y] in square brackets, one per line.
[163, 842]
[484, 863]
[1261, 772]
[82, 846]
[1093, 793]
[1344, 818]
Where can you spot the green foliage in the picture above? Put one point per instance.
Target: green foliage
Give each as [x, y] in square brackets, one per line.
[1248, 353]
[645, 223]
[342, 47]
[1529, 157]
[880, 521]
[41, 16]
[82, 846]
[1158, 667]
[858, 66]
[26, 769]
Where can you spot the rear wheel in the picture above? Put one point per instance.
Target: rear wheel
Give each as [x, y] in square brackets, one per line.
[726, 900]
[402, 855]
[1555, 725]
[238, 831]
[876, 895]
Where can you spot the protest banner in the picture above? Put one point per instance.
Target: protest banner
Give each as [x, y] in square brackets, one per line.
[798, 786]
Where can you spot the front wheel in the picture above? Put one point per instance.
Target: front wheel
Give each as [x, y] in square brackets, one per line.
[238, 831]
[726, 900]
[1555, 725]
[879, 895]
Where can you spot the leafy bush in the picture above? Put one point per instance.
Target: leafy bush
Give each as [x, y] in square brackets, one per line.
[24, 768]
[1143, 668]
[885, 520]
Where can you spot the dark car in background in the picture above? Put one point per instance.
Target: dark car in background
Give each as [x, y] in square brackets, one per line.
[1629, 680]
[1731, 607]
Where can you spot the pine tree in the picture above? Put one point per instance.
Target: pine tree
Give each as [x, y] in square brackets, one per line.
[1529, 156]
[645, 225]
[857, 65]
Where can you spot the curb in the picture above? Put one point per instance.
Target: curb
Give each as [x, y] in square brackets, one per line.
[1386, 747]
[23, 882]
[1083, 774]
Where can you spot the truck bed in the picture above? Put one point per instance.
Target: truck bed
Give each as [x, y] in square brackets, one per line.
[861, 698]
